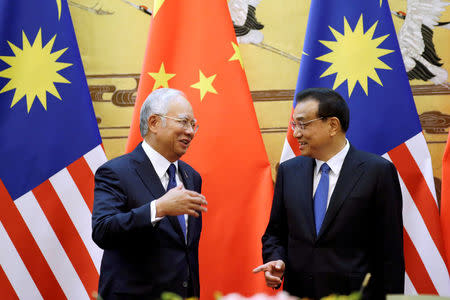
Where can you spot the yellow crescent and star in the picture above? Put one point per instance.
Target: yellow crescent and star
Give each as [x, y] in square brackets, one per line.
[34, 69]
[354, 56]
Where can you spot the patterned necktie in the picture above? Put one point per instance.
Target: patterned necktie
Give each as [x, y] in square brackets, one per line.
[173, 183]
[321, 197]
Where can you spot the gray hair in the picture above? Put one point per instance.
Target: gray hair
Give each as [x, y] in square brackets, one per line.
[156, 103]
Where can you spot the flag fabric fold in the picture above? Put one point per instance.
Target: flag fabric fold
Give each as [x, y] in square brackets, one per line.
[51, 147]
[351, 46]
[445, 200]
[192, 47]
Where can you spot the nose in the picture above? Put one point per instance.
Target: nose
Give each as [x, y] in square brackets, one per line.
[297, 133]
[189, 130]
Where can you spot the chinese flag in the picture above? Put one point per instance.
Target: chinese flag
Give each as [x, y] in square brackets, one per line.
[192, 47]
[445, 201]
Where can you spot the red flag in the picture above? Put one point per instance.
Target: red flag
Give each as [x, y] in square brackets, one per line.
[445, 201]
[192, 47]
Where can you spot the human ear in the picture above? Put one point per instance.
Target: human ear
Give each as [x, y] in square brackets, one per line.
[153, 123]
[335, 125]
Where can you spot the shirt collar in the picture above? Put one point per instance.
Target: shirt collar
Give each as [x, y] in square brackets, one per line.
[159, 162]
[335, 163]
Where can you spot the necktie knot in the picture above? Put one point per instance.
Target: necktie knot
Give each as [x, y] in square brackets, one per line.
[172, 181]
[325, 168]
[171, 170]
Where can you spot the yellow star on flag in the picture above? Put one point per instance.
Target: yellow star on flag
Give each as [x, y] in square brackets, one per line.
[237, 54]
[161, 78]
[205, 84]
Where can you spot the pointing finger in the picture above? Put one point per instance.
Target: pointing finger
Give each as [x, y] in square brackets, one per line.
[259, 269]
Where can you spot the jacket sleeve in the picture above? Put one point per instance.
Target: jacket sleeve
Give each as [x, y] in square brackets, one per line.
[113, 223]
[389, 259]
[274, 240]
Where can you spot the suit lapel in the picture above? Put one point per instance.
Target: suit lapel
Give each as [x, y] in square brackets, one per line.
[306, 190]
[350, 174]
[148, 175]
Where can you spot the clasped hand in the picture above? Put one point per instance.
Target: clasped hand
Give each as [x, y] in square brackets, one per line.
[179, 201]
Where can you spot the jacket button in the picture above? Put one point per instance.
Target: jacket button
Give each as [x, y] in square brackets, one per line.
[185, 284]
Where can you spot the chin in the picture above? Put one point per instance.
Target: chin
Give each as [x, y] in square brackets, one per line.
[179, 154]
[305, 152]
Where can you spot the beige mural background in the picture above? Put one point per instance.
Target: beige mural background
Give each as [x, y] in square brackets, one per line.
[112, 38]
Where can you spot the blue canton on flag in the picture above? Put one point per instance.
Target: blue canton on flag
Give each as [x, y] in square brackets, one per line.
[352, 47]
[46, 116]
[50, 149]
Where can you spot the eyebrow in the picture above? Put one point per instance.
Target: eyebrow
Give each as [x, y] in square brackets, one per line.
[186, 117]
[300, 118]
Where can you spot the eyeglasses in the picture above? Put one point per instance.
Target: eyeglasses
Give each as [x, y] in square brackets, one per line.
[186, 124]
[302, 125]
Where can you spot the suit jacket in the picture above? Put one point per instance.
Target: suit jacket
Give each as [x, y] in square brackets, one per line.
[140, 261]
[362, 230]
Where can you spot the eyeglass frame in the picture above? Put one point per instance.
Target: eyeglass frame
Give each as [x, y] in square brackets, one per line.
[302, 125]
[183, 122]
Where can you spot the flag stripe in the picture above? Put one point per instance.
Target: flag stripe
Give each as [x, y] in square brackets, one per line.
[95, 158]
[12, 263]
[27, 248]
[49, 244]
[417, 145]
[6, 288]
[414, 267]
[66, 233]
[409, 287]
[79, 213]
[418, 188]
[295, 147]
[423, 244]
[84, 179]
[287, 152]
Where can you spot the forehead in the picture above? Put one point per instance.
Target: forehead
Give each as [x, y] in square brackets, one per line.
[306, 109]
[180, 106]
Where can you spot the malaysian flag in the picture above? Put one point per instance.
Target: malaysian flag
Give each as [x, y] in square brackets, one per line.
[351, 46]
[50, 149]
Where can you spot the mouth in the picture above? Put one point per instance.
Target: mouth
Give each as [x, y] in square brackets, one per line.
[302, 144]
[185, 142]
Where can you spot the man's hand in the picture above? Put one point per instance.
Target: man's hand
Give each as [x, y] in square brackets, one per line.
[179, 201]
[273, 272]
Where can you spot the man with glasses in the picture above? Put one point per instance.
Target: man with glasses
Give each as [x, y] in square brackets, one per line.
[148, 206]
[336, 213]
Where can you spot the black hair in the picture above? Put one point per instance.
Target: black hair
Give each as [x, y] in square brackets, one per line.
[331, 104]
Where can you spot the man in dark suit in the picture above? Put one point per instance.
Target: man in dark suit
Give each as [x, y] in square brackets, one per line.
[336, 212]
[147, 208]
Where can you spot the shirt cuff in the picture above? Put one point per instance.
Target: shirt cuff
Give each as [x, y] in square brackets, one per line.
[153, 217]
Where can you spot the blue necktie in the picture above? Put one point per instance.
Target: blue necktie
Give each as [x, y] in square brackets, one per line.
[173, 183]
[321, 197]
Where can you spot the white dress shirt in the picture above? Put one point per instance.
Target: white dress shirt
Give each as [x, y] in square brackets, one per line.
[160, 164]
[335, 163]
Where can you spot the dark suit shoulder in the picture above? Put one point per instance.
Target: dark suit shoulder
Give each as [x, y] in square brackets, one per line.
[370, 158]
[188, 168]
[122, 163]
[118, 164]
[296, 162]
